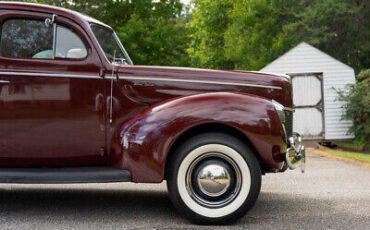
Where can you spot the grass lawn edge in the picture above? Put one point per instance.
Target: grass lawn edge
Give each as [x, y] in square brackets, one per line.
[332, 156]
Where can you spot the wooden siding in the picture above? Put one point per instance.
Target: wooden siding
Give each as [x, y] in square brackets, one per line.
[305, 58]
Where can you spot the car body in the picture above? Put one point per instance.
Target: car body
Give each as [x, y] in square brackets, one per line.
[72, 110]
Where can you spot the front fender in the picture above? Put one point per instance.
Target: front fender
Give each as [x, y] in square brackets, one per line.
[142, 142]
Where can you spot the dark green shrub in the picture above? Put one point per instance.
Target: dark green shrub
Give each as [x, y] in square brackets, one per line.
[357, 107]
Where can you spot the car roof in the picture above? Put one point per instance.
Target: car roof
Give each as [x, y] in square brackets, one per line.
[52, 10]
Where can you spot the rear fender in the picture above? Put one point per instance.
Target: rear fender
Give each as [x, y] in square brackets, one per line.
[142, 143]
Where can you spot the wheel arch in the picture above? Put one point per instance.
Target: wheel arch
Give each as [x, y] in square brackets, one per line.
[212, 128]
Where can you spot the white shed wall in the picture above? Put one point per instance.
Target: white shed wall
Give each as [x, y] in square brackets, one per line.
[305, 58]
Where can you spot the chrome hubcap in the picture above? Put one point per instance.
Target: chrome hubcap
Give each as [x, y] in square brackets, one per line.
[213, 180]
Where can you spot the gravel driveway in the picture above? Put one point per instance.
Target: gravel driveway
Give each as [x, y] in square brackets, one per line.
[330, 195]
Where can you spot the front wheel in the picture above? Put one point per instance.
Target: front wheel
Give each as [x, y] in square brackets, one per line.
[214, 178]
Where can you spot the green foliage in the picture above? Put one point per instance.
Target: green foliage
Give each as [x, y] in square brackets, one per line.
[238, 34]
[253, 38]
[209, 22]
[248, 34]
[338, 27]
[156, 35]
[357, 107]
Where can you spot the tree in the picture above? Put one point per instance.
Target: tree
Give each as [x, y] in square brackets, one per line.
[237, 34]
[248, 34]
[338, 27]
[254, 37]
[207, 27]
[155, 33]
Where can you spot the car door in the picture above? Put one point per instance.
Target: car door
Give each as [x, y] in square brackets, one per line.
[51, 93]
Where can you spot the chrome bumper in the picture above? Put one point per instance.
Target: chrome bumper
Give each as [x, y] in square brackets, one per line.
[296, 154]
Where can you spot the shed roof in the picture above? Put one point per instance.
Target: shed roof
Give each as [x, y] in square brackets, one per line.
[307, 58]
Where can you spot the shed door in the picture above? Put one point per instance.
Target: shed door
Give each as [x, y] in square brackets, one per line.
[308, 119]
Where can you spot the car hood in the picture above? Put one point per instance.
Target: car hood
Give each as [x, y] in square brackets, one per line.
[152, 84]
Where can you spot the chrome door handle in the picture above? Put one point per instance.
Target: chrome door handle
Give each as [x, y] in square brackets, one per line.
[4, 82]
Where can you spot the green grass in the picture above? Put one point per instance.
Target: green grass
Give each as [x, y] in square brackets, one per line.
[356, 146]
[352, 155]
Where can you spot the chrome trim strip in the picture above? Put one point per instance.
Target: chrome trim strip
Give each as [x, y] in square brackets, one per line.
[286, 76]
[139, 79]
[289, 109]
[4, 82]
[198, 81]
[55, 28]
[50, 75]
[122, 48]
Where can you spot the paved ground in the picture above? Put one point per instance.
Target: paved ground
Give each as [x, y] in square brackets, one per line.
[330, 195]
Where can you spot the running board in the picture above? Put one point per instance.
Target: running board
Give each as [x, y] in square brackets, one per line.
[63, 175]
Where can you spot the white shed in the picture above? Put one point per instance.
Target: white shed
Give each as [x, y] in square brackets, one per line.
[315, 76]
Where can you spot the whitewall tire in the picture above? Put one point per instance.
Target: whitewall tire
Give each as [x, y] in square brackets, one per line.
[213, 178]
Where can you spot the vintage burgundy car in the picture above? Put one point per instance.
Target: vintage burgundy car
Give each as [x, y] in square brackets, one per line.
[74, 109]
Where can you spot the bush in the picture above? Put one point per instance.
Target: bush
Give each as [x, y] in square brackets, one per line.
[357, 107]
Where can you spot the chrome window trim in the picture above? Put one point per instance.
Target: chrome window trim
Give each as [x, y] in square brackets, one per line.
[198, 81]
[50, 75]
[116, 38]
[288, 109]
[285, 76]
[122, 48]
[54, 34]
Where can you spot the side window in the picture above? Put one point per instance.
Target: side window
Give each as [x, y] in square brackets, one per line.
[24, 38]
[28, 38]
[69, 44]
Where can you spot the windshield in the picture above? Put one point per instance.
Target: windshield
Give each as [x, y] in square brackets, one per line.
[110, 44]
